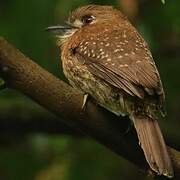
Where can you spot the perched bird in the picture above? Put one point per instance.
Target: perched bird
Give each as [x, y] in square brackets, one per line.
[105, 57]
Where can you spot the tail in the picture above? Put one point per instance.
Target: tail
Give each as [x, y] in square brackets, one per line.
[153, 145]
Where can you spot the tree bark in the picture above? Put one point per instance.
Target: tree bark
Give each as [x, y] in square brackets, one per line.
[24, 75]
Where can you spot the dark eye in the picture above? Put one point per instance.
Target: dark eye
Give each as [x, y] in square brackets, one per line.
[87, 19]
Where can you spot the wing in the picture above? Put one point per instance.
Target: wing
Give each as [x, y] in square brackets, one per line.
[122, 59]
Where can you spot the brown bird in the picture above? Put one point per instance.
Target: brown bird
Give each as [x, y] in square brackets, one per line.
[105, 57]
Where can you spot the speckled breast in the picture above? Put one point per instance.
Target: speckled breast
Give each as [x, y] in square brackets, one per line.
[80, 78]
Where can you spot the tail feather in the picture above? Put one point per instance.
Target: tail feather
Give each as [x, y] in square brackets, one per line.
[153, 145]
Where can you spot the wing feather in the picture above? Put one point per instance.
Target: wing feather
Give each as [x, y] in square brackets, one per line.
[114, 79]
[136, 73]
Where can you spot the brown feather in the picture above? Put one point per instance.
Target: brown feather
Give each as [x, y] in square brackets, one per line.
[153, 145]
[131, 73]
[110, 77]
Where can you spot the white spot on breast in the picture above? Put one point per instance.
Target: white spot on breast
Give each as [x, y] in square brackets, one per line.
[126, 54]
[138, 61]
[125, 65]
[132, 52]
[120, 57]
[107, 44]
[108, 60]
[116, 50]
[70, 62]
[121, 49]
[124, 34]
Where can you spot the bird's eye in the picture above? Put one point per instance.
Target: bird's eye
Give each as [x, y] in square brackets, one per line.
[87, 19]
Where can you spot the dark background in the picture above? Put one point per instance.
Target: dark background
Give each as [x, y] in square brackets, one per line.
[31, 145]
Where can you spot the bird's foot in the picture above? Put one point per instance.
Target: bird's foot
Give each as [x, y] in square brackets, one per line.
[84, 101]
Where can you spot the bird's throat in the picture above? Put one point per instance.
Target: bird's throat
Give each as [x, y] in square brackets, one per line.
[63, 38]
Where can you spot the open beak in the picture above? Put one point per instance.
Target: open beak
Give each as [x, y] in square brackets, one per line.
[60, 29]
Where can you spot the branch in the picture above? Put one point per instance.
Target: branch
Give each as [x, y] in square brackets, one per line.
[22, 74]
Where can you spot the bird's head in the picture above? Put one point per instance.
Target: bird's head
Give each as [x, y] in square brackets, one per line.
[85, 17]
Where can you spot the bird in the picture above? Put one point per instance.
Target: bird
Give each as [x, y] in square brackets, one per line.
[105, 57]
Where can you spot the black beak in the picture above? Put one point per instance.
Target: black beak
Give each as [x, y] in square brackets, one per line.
[59, 29]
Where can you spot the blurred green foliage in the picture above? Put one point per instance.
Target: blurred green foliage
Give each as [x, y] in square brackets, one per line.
[163, 1]
[50, 157]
